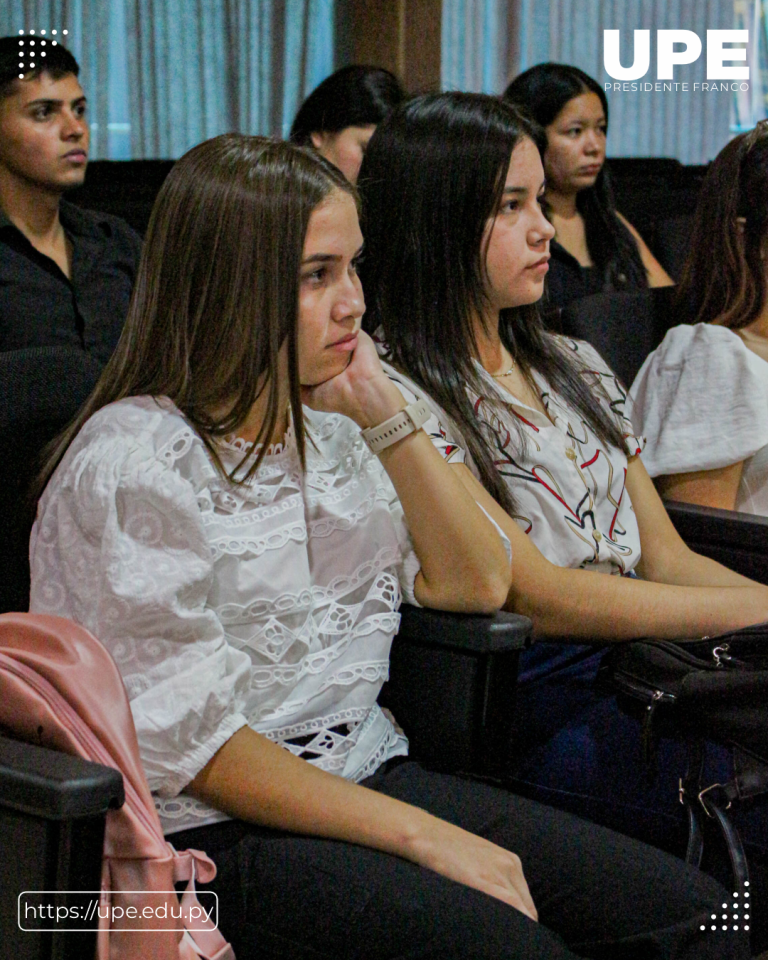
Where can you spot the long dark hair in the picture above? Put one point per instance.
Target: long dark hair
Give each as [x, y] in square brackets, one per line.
[217, 291]
[355, 96]
[724, 276]
[433, 175]
[542, 92]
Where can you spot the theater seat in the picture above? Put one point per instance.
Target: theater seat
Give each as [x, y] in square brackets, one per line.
[622, 326]
[52, 814]
[452, 688]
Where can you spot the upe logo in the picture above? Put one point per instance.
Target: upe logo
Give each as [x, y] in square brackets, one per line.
[667, 57]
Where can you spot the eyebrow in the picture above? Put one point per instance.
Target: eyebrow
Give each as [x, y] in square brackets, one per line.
[47, 101]
[327, 257]
[522, 190]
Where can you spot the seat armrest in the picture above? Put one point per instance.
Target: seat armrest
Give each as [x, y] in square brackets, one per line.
[53, 810]
[475, 633]
[53, 785]
[737, 540]
[452, 687]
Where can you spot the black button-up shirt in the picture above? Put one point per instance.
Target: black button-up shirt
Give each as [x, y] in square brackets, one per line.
[40, 306]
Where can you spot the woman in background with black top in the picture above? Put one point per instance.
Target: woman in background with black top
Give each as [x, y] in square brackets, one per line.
[595, 249]
[339, 116]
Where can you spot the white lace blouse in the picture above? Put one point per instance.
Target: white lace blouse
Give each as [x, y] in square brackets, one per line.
[569, 486]
[272, 604]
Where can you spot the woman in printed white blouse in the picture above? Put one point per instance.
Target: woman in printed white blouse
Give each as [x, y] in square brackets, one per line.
[549, 446]
[451, 291]
[242, 557]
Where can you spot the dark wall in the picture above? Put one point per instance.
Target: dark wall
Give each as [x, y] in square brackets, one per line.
[125, 188]
[657, 195]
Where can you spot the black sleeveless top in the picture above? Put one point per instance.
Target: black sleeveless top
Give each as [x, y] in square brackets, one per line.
[567, 280]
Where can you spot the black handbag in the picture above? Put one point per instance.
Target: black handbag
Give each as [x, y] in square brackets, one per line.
[710, 689]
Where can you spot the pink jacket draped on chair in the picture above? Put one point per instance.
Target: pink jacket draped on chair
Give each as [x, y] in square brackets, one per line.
[59, 688]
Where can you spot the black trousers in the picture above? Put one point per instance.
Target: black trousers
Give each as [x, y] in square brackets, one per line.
[598, 894]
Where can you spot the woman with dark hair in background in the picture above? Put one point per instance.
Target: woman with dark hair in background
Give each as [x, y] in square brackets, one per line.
[242, 556]
[702, 396]
[452, 290]
[339, 116]
[595, 248]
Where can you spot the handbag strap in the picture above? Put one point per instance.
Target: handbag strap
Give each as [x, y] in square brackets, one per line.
[750, 780]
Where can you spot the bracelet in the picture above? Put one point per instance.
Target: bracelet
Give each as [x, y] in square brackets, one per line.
[406, 421]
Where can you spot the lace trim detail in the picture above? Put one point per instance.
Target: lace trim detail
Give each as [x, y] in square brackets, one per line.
[177, 447]
[236, 516]
[385, 586]
[290, 674]
[382, 753]
[258, 545]
[371, 671]
[351, 715]
[182, 806]
[328, 525]
[232, 442]
[328, 426]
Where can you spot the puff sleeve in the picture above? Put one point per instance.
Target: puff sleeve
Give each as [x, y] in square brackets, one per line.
[120, 547]
[701, 399]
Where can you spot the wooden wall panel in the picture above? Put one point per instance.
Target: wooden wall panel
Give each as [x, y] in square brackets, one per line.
[401, 35]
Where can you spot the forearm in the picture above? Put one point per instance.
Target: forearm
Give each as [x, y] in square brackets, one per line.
[685, 568]
[582, 604]
[258, 781]
[464, 565]
[253, 779]
[592, 606]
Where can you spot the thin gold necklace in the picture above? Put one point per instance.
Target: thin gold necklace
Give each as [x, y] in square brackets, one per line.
[498, 376]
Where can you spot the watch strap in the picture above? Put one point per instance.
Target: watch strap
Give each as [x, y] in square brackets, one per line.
[409, 420]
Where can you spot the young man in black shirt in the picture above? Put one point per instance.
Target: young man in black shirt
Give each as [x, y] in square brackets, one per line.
[65, 273]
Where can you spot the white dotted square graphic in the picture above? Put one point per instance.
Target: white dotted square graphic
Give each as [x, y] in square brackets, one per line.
[28, 61]
[739, 912]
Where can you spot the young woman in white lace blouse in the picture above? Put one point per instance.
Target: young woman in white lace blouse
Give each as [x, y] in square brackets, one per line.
[243, 558]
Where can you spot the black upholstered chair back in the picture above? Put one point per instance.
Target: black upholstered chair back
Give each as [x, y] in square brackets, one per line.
[41, 390]
[623, 327]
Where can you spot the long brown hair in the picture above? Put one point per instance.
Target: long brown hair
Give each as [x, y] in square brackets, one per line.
[723, 280]
[443, 159]
[217, 291]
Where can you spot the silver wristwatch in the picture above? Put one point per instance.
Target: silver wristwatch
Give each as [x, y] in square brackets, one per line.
[406, 421]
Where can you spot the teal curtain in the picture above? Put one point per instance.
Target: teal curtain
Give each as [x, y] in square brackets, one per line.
[473, 45]
[751, 105]
[162, 75]
[204, 67]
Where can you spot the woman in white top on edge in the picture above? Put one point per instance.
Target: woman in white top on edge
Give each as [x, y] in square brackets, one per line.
[242, 558]
[701, 397]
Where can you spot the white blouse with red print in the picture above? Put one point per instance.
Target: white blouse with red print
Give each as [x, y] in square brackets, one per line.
[568, 485]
